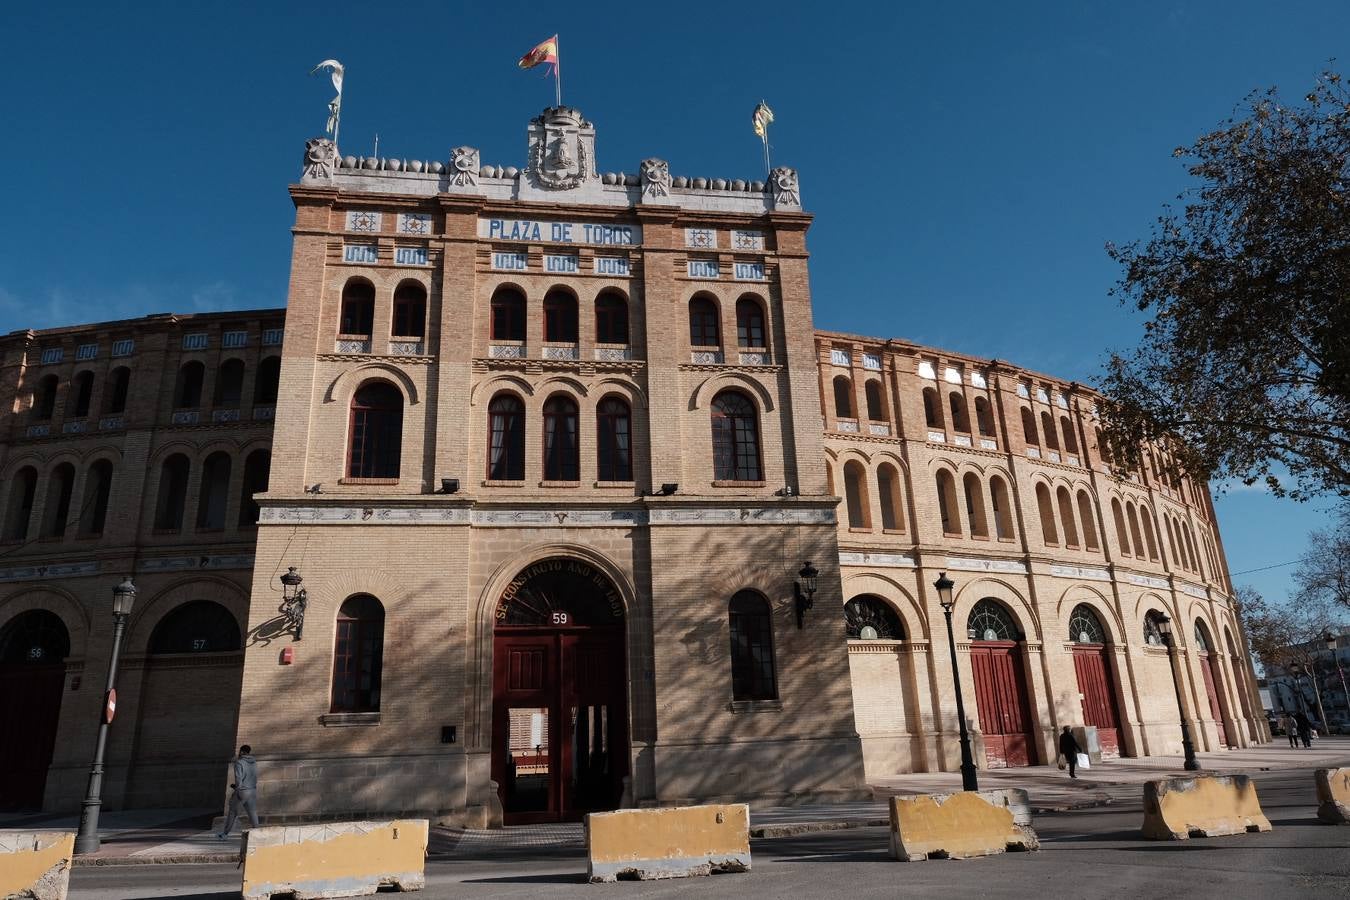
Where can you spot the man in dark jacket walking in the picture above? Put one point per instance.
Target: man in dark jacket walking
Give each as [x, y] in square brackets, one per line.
[1068, 747]
[244, 791]
[1305, 728]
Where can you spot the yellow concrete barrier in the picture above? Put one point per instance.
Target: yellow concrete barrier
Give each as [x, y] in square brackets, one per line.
[1333, 796]
[961, 825]
[337, 859]
[669, 842]
[1204, 806]
[35, 864]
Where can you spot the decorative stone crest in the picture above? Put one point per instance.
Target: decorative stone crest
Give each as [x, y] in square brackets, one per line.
[655, 178]
[464, 166]
[784, 183]
[561, 146]
[320, 158]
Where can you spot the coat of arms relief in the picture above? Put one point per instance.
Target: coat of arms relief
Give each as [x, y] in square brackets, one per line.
[562, 144]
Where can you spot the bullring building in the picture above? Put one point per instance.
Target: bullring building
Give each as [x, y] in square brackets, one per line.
[544, 495]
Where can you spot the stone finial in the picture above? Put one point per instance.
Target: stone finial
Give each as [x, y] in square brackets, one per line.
[655, 178]
[464, 167]
[785, 191]
[320, 159]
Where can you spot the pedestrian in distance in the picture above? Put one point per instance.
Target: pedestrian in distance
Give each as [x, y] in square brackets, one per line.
[1304, 729]
[244, 790]
[1290, 729]
[1069, 749]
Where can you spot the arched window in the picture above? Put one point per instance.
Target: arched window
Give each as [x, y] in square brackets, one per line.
[1066, 516]
[1122, 536]
[892, 500]
[560, 316]
[960, 421]
[84, 394]
[172, 496]
[1048, 430]
[1046, 510]
[752, 669]
[1202, 641]
[1003, 523]
[1085, 627]
[358, 655]
[1087, 514]
[869, 618]
[18, 516]
[266, 381]
[876, 409]
[506, 438]
[562, 461]
[843, 397]
[1178, 552]
[613, 440]
[990, 621]
[214, 492]
[410, 310]
[1146, 515]
[611, 318]
[1103, 451]
[256, 469]
[1190, 550]
[932, 409]
[358, 309]
[59, 488]
[946, 495]
[376, 432]
[1029, 428]
[750, 323]
[1136, 539]
[984, 417]
[855, 495]
[703, 327]
[735, 438]
[34, 637]
[508, 315]
[119, 384]
[198, 626]
[44, 398]
[188, 392]
[979, 523]
[1070, 439]
[230, 384]
[97, 488]
[1153, 628]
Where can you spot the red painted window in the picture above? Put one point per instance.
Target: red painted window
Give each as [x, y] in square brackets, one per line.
[410, 310]
[376, 438]
[506, 438]
[562, 460]
[358, 655]
[611, 319]
[508, 315]
[613, 432]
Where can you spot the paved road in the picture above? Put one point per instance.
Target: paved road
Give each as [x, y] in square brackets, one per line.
[1086, 854]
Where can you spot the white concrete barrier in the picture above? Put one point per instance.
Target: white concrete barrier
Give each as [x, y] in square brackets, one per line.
[1204, 806]
[961, 825]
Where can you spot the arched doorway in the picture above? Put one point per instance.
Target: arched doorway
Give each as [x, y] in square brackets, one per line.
[33, 649]
[1000, 686]
[1096, 689]
[1213, 680]
[559, 694]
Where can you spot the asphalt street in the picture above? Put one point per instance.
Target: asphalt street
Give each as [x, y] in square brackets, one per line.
[1085, 853]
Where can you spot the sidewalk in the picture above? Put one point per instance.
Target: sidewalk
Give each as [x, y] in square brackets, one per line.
[142, 837]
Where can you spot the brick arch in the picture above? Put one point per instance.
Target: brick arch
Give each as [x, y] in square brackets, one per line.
[704, 393]
[186, 448]
[149, 612]
[1106, 611]
[565, 384]
[970, 593]
[345, 385]
[28, 460]
[634, 394]
[901, 600]
[54, 600]
[493, 386]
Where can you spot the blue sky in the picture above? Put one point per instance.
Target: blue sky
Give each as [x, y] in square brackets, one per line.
[966, 162]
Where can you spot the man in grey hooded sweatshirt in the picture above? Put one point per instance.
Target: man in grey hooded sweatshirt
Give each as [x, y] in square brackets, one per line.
[245, 791]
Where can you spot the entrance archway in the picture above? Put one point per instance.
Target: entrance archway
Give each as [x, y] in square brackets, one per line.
[1213, 680]
[1096, 688]
[1000, 687]
[559, 694]
[33, 649]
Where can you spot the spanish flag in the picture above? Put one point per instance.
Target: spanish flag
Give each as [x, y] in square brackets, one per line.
[546, 52]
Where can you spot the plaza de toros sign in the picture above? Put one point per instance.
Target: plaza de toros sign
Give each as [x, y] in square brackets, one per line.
[588, 233]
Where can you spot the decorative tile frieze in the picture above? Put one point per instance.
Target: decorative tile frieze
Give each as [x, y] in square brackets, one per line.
[872, 362]
[360, 253]
[1087, 573]
[556, 352]
[1193, 591]
[879, 430]
[988, 444]
[54, 570]
[747, 240]
[926, 370]
[951, 375]
[1148, 581]
[198, 341]
[748, 271]
[517, 261]
[186, 417]
[700, 238]
[613, 354]
[52, 355]
[405, 348]
[839, 357]
[86, 352]
[233, 340]
[961, 440]
[965, 564]
[702, 268]
[506, 351]
[225, 415]
[414, 223]
[737, 515]
[363, 220]
[264, 413]
[754, 358]
[352, 347]
[611, 265]
[79, 427]
[937, 437]
[977, 380]
[882, 560]
[196, 563]
[124, 347]
[847, 426]
[707, 357]
[410, 256]
[112, 423]
[272, 337]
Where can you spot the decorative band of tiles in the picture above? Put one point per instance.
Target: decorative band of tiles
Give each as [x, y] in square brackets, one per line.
[883, 560]
[965, 564]
[381, 515]
[1084, 572]
[56, 570]
[195, 563]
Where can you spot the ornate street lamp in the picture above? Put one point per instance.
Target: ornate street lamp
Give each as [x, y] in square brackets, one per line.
[294, 599]
[805, 591]
[87, 841]
[1165, 629]
[1335, 658]
[969, 781]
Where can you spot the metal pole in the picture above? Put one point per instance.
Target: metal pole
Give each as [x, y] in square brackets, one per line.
[87, 841]
[1345, 694]
[557, 69]
[1191, 764]
[969, 781]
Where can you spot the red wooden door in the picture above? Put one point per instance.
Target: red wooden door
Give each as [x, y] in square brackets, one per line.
[1099, 696]
[30, 708]
[1212, 691]
[1001, 699]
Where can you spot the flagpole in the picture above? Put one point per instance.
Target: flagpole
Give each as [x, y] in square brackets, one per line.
[767, 169]
[557, 69]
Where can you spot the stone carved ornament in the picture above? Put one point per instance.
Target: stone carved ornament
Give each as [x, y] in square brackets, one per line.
[320, 158]
[464, 166]
[784, 182]
[559, 159]
[655, 178]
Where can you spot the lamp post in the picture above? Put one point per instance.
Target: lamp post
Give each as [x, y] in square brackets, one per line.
[969, 781]
[294, 601]
[804, 591]
[87, 841]
[1188, 748]
[1335, 658]
[1299, 674]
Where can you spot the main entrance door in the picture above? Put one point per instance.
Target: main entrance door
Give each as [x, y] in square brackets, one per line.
[1000, 687]
[1212, 691]
[33, 648]
[559, 710]
[1092, 667]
